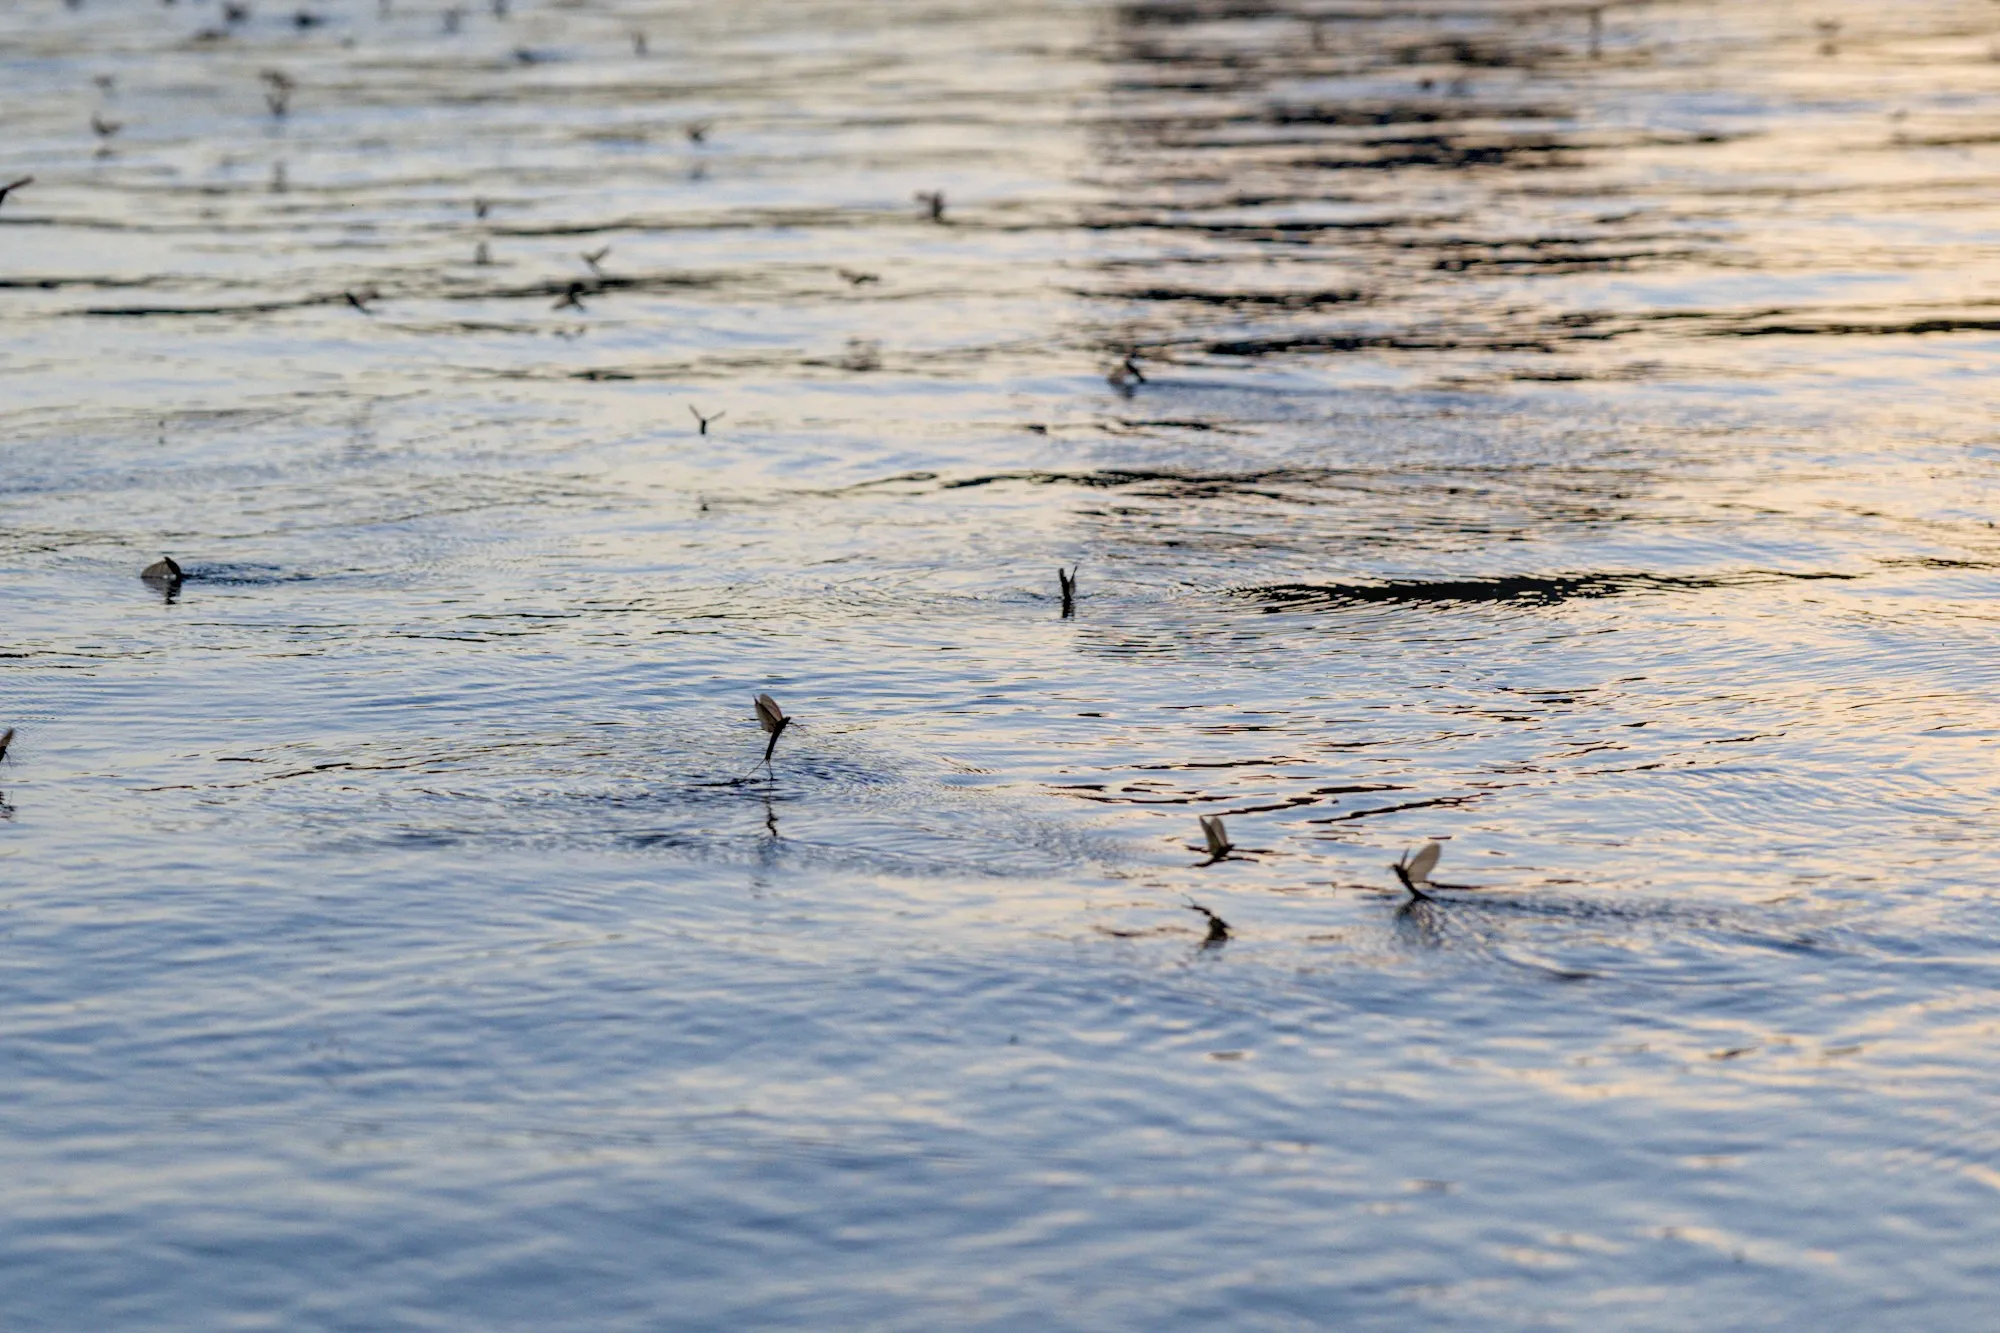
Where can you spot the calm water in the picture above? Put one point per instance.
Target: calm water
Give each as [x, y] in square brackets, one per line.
[1571, 441]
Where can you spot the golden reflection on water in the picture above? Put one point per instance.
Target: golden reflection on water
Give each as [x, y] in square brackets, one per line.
[1565, 439]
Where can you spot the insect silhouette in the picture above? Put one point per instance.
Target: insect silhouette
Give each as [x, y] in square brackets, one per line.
[1217, 839]
[1218, 929]
[933, 202]
[1066, 580]
[862, 355]
[1414, 869]
[278, 93]
[104, 130]
[165, 570]
[773, 720]
[572, 299]
[359, 302]
[482, 256]
[857, 278]
[480, 207]
[705, 420]
[6, 739]
[1126, 376]
[12, 186]
[594, 258]
[697, 130]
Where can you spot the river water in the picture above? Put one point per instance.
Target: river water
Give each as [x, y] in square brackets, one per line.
[1568, 438]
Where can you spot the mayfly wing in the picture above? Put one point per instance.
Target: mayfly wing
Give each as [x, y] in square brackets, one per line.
[1421, 865]
[769, 715]
[1217, 836]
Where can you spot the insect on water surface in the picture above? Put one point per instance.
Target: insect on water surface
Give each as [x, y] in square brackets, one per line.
[773, 720]
[1414, 869]
[1216, 836]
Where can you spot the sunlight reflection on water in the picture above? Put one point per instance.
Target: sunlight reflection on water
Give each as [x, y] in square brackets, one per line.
[1563, 438]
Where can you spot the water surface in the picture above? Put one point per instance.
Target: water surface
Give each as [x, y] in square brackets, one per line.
[1566, 438]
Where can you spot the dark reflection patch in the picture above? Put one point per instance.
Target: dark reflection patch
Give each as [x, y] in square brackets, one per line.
[1541, 589]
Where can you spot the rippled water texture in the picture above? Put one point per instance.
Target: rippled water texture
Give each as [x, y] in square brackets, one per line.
[1566, 437]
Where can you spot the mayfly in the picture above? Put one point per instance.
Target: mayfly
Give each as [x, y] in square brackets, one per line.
[595, 258]
[6, 739]
[278, 92]
[933, 202]
[1414, 869]
[773, 720]
[1216, 836]
[163, 570]
[705, 421]
[1126, 376]
[1066, 580]
[12, 186]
